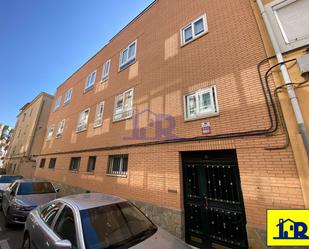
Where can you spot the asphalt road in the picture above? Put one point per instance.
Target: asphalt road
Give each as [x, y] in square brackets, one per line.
[10, 238]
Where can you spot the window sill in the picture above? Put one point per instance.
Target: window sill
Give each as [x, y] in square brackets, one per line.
[58, 136]
[74, 171]
[125, 66]
[90, 173]
[121, 119]
[195, 38]
[104, 80]
[122, 176]
[51, 168]
[66, 103]
[88, 89]
[80, 130]
[97, 126]
[210, 115]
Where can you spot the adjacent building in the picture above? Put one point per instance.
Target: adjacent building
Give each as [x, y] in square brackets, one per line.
[5, 136]
[29, 136]
[173, 114]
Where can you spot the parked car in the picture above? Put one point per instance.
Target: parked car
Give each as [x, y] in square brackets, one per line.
[23, 196]
[94, 221]
[6, 181]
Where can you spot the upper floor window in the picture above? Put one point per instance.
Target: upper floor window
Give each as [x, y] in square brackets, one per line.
[194, 30]
[105, 70]
[50, 132]
[118, 165]
[82, 120]
[90, 81]
[201, 103]
[127, 55]
[98, 120]
[68, 96]
[60, 129]
[58, 102]
[123, 105]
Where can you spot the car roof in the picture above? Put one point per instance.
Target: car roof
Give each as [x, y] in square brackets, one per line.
[91, 200]
[11, 175]
[30, 180]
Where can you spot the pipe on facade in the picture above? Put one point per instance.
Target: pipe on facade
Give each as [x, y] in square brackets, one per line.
[287, 80]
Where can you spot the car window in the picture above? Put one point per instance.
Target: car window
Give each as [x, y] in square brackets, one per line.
[65, 226]
[30, 188]
[14, 187]
[49, 212]
[8, 179]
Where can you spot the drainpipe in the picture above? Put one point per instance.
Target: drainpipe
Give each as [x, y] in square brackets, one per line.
[287, 80]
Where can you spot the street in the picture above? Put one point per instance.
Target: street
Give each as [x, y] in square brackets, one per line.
[10, 238]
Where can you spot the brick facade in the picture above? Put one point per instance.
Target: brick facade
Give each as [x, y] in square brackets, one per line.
[163, 73]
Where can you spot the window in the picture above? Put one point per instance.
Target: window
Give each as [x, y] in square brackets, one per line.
[98, 120]
[52, 163]
[90, 81]
[123, 105]
[194, 30]
[289, 20]
[50, 132]
[91, 163]
[75, 162]
[201, 103]
[127, 55]
[118, 165]
[48, 214]
[65, 226]
[105, 70]
[42, 163]
[58, 102]
[68, 96]
[82, 120]
[60, 129]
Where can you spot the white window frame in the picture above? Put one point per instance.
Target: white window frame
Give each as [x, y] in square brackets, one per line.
[194, 37]
[129, 60]
[82, 126]
[276, 24]
[68, 96]
[58, 103]
[105, 73]
[214, 109]
[98, 119]
[126, 111]
[122, 173]
[50, 132]
[60, 128]
[90, 86]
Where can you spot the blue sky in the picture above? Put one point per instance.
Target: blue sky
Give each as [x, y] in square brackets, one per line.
[42, 42]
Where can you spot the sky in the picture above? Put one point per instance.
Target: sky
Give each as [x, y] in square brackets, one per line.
[43, 42]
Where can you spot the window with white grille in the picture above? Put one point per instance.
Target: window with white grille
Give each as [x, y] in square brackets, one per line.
[90, 81]
[118, 165]
[50, 132]
[68, 96]
[202, 103]
[128, 55]
[194, 30]
[60, 129]
[82, 120]
[58, 103]
[123, 105]
[105, 70]
[98, 120]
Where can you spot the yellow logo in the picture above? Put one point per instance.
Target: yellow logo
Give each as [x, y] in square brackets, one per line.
[288, 227]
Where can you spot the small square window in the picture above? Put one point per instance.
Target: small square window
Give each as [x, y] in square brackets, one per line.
[42, 163]
[202, 103]
[91, 163]
[75, 163]
[127, 55]
[52, 163]
[90, 81]
[194, 30]
[118, 165]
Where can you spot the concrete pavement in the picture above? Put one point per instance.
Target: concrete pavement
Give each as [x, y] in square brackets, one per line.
[10, 238]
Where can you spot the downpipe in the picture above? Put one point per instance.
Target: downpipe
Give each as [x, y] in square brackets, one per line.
[287, 80]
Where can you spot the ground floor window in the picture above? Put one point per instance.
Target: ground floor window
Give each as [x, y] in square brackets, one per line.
[52, 163]
[118, 165]
[91, 163]
[75, 162]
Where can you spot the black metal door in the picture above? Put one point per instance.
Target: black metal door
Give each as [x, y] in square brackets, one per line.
[214, 209]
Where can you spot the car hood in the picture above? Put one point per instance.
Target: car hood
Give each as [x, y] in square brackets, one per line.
[35, 199]
[3, 186]
[162, 240]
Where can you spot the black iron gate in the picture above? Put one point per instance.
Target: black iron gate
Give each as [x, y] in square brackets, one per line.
[214, 210]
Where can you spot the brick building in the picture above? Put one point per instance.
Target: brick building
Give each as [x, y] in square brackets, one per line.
[172, 115]
[28, 137]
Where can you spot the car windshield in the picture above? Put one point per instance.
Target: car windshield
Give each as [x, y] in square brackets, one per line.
[8, 179]
[119, 225]
[30, 188]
